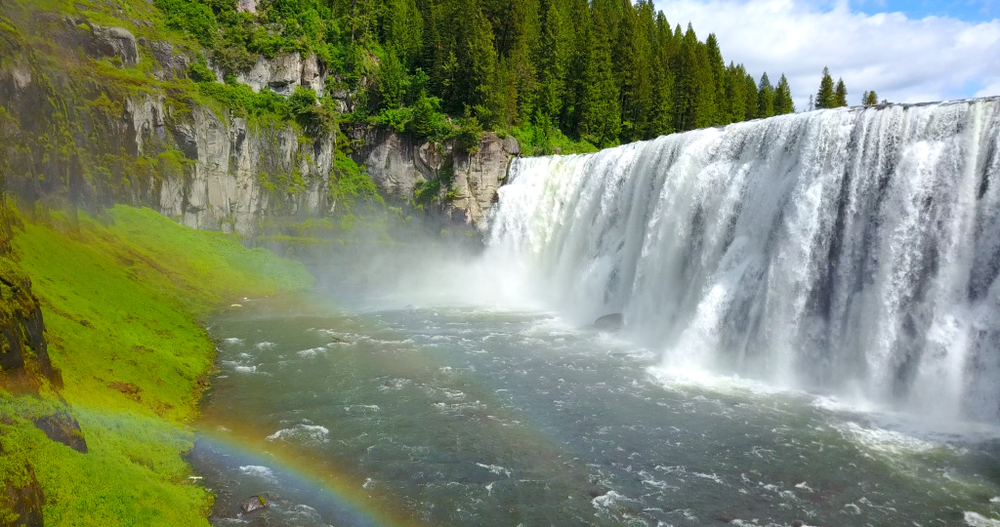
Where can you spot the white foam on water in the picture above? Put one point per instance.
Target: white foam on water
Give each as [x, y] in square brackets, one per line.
[607, 502]
[302, 433]
[685, 379]
[495, 469]
[978, 520]
[311, 352]
[886, 442]
[259, 471]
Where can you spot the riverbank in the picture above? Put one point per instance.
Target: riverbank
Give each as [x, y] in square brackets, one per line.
[122, 297]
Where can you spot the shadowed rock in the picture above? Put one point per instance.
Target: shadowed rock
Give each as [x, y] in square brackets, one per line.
[26, 501]
[63, 428]
[612, 322]
[254, 504]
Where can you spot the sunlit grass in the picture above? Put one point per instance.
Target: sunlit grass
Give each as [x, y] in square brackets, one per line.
[121, 298]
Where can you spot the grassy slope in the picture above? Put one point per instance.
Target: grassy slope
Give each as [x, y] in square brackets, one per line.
[121, 299]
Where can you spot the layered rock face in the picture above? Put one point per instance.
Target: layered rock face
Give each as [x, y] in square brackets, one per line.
[94, 140]
[399, 163]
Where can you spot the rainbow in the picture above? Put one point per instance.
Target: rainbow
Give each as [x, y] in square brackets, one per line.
[338, 491]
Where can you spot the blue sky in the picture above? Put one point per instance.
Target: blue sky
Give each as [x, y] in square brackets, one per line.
[967, 10]
[907, 51]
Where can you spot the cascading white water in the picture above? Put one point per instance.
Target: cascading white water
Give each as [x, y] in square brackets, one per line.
[852, 249]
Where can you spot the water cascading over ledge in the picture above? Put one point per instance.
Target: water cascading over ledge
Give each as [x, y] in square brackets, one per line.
[854, 250]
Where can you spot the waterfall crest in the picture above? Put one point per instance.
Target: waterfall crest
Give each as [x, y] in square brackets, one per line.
[852, 249]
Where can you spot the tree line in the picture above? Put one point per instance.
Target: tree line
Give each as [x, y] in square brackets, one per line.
[604, 71]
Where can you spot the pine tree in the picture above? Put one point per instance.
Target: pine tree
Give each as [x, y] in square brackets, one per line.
[765, 98]
[600, 119]
[391, 81]
[736, 92]
[476, 59]
[870, 98]
[783, 103]
[694, 101]
[840, 94]
[553, 59]
[717, 68]
[638, 94]
[826, 98]
[580, 63]
[404, 30]
[663, 77]
[752, 96]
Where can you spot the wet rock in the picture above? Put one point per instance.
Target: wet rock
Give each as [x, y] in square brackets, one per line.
[25, 501]
[62, 428]
[254, 504]
[612, 322]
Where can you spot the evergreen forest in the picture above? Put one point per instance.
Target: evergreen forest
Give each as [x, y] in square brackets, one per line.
[561, 75]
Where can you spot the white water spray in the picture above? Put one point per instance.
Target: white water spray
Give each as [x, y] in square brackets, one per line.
[841, 249]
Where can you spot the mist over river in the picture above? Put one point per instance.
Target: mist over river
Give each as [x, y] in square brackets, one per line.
[811, 321]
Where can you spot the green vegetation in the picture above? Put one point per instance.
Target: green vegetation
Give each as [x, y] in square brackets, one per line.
[559, 74]
[121, 296]
[870, 98]
[830, 96]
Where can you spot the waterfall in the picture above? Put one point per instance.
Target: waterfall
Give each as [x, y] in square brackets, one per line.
[855, 249]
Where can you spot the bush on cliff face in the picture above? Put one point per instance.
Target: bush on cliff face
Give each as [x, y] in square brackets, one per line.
[316, 119]
[195, 18]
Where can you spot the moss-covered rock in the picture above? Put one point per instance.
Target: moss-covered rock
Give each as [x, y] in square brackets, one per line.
[23, 502]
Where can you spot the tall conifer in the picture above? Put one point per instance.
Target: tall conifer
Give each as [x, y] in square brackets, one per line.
[783, 103]
[840, 94]
[826, 98]
[717, 67]
[752, 96]
[765, 98]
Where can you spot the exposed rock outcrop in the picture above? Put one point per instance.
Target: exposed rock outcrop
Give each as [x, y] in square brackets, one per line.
[284, 73]
[116, 42]
[63, 428]
[24, 357]
[95, 143]
[478, 176]
[399, 163]
[25, 500]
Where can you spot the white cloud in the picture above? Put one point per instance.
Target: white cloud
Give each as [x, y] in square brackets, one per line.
[902, 59]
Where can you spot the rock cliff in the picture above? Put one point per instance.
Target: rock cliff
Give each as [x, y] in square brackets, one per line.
[91, 129]
[399, 164]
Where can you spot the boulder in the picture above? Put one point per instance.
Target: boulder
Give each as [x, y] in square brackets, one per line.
[254, 504]
[612, 322]
[62, 428]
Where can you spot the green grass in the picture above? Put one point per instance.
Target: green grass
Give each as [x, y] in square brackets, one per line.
[121, 297]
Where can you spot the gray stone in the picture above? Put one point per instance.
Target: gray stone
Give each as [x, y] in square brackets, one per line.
[116, 42]
[612, 322]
